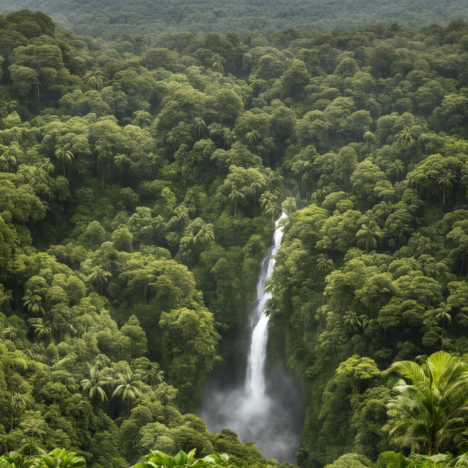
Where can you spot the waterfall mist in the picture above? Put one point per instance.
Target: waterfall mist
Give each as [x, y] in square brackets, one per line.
[264, 409]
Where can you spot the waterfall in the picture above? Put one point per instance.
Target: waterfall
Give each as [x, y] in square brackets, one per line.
[271, 417]
[258, 322]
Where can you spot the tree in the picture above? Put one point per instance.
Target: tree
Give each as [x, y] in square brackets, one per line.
[42, 328]
[64, 154]
[94, 386]
[60, 458]
[218, 63]
[104, 152]
[257, 185]
[99, 276]
[33, 426]
[253, 137]
[324, 264]
[268, 202]
[9, 158]
[369, 235]
[200, 125]
[289, 206]
[94, 79]
[396, 169]
[236, 195]
[205, 235]
[48, 167]
[369, 137]
[10, 333]
[295, 79]
[158, 459]
[406, 137]
[442, 313]
[128, 387]
[166, 393]
[351, 320]
[18, 405]
[446, 182]
[346, 163]
[5, 296]
[155, 375]
[33, 302]
[432, 403]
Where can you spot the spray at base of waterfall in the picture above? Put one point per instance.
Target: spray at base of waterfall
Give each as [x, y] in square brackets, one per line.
[273, 422]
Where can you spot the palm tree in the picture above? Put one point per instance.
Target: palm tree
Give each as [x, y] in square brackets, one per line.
[31, 445]
[218, 63]
[9, 158]
[443, 314]
[41, 329]
[121, 160]
[396, 169]
[48, 167]
[129, 386]
[111, 379]
[236, 195]
[289, 206]
[33, 427]
[369, 137]
[446, 181]
[461, 254]
[104, 152]
[158, 459]
[229, 137]
[154, 160]
[302, 167]
[94, 79]
[433, 407]
[420, 245]
[324, 264]
[172, 140]
[268, 202]
[257, 185]
[273, 181]
[63, 153]
[155, 375]
[18, 405]
[166, 393]
[200, 125]
[99, 276]
[351, 320]
[5, 296]
[205, 235]
[252, 138]
[10, 333]
[369, 235]
[33, 302]
[401, 229]
[406, 137]
[94, 386]
[60, 458]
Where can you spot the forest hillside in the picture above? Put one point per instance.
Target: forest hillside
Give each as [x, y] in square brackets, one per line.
[140, 180]
[111, 19]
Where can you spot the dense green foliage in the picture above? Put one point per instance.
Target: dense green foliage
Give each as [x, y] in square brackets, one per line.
[139, 183]
[112, 18]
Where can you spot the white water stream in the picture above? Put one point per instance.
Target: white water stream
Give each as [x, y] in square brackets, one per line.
[258, 322]
[250, 411]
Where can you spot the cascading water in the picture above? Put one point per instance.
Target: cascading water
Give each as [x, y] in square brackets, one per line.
[271, 420]
[258, 321]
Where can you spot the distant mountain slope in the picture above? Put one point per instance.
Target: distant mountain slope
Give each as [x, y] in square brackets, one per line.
[110, 19]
